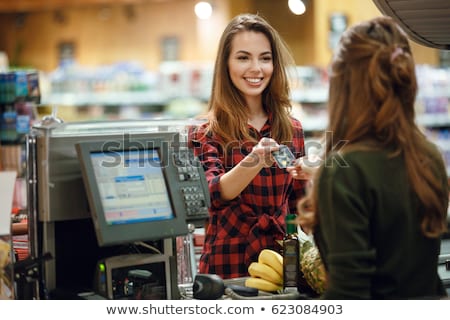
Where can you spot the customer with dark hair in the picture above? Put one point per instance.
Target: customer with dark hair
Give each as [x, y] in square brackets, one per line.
[248, 117]
[379, 203]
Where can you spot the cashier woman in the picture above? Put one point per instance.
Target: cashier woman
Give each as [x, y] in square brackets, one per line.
[248, 117]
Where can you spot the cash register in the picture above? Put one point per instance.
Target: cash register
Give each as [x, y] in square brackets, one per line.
[110, 199]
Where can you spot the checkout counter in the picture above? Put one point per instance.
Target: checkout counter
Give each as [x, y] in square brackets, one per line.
[93, 233]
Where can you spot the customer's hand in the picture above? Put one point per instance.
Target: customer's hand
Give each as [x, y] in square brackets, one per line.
[306, 216]
[305, 167]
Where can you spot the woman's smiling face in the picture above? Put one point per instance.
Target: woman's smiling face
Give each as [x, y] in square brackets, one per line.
[250, 63]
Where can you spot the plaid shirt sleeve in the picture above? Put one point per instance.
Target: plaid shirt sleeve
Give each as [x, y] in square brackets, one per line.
[209, 153]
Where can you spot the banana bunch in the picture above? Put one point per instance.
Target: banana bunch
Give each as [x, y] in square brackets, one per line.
[267, 273]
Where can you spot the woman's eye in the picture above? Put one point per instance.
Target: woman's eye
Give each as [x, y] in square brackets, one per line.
[267, 59]
[242, 58]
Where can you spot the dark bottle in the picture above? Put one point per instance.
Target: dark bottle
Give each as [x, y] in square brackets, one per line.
[291, 256]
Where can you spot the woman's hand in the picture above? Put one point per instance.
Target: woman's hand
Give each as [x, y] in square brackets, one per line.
[237, 179]
[305, 167]
[262, 152]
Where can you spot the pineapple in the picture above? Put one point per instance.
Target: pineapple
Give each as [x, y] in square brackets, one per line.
[312, 267]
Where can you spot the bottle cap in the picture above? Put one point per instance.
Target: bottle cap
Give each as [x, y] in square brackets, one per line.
[291, 226]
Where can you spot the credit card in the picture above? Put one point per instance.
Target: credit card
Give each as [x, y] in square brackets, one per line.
[284, 157]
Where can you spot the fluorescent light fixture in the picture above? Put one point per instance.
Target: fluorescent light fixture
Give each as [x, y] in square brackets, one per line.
[297, 7]
[203, 10]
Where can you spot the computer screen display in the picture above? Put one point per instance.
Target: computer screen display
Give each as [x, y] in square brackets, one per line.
[132, 188]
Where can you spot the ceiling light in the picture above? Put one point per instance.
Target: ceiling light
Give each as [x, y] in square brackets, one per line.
[297, 7]
[203, 10]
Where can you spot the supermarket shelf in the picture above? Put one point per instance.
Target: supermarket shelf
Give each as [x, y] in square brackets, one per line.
[314, 123]
[318, 123]
[104, 98]
[310, 95]
[434, 120]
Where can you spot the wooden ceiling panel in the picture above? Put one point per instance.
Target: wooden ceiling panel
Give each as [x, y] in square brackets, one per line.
[10, 6]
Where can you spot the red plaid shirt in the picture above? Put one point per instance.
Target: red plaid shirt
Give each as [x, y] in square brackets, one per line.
[239, 229]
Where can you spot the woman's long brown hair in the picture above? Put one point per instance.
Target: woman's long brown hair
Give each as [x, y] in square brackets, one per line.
[372, 93]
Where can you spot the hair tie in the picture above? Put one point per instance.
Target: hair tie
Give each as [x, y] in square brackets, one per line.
[398, 51]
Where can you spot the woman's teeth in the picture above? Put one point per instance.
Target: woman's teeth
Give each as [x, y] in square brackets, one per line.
[253, 80]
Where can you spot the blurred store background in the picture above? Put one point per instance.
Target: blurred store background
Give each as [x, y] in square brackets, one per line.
[134, 59]
[129, 58]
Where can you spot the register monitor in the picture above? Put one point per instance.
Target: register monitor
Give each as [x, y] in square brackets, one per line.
[132, 188]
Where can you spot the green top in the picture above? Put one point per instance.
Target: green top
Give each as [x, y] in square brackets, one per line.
[291, 226]
[369, 233]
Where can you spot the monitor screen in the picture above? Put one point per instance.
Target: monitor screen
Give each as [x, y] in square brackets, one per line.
[135, 190]
[131, 185]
